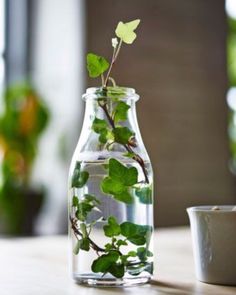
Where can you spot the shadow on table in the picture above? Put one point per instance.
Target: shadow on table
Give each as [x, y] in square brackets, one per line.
[154, 287]
[171, 288]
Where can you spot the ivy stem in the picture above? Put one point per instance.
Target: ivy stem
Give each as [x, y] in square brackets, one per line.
[129, 149]
[78, 233]
[112, 81]
[95, 247]
[102, 77]
[113, 60]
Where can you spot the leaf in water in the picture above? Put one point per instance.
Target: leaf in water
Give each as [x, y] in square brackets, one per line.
[117, 189]
[79, 178]
[117, 270]
[142, 253]
[96, 65]
[86, 205]
[132, 253]
[124, 197]
[112, 228]
[121, 111]
[135, 233]
[119, 172]
[122, 135]
[125, 31]
[91, 198]
[75, 201]
[112, 186]
[101, 127]
[84, 244]
[83, 229]
[83, 209]
[121, 243]
[119, 180]
[104, 262]
[108, 247]
[144, 194]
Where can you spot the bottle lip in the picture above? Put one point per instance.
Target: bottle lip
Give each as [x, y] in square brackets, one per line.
[114, 93]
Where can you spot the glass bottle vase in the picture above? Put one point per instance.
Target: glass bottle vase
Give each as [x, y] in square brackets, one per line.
[110, 192]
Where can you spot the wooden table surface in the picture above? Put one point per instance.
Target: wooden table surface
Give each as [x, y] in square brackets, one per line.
[32, 266]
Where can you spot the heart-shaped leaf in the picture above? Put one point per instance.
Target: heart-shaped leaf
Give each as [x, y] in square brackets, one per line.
[96, 65]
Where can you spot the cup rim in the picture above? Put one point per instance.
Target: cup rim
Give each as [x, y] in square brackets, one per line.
[208, 209]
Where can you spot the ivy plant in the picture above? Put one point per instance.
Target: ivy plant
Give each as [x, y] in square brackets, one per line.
[122, 183]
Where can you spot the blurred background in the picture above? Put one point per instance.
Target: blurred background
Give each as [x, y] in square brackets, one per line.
[183, 64]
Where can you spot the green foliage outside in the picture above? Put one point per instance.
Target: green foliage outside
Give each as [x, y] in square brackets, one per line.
[22, 121]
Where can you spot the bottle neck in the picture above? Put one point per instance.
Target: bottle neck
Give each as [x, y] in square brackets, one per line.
[89, 139]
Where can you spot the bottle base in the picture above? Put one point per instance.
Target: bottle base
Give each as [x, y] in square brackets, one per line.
[94, 280]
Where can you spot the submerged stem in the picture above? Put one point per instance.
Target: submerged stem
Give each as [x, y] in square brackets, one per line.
[78, 233]
[129, 149]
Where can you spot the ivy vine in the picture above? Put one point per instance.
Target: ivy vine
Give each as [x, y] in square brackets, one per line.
[121, 182]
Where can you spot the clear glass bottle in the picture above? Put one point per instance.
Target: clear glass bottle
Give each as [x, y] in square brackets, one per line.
[111, 194]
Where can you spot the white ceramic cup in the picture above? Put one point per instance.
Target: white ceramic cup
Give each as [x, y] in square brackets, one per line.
[214, 243]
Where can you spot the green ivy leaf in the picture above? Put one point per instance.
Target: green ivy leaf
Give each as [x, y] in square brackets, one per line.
[104, 262]
[144, 194]
[112, 228]
[143, 253]
[103, 136]
[96, 65]
[75, 201]
[83, 229]
[135, 233]
[122, 134]
[119, 172]
[121, 243]
[85, 206]
[79, 178]
[119, 180]
[101, 127]
[112, 186]
[82, 210]
[125, 31]
[117, 270]
[121, 111]
[91, 198]
[132, 254]
[117, 189]
[108, 247]
[84, 244]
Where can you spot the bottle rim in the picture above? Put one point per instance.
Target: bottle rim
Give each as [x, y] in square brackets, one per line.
[113, 93]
